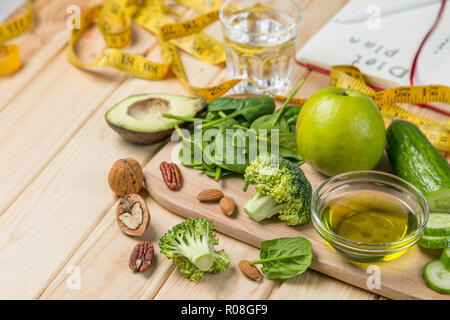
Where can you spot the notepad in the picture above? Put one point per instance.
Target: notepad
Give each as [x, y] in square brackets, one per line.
[384, 47]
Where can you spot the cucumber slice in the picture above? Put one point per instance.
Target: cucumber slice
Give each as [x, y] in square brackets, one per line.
[432, 242]
[439, 201]
[445, 258]
[437, 277]
[438, 224]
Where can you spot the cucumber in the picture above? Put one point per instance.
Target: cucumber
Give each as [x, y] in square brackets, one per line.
[415, 159]
[438, 225]
[437, 277]
[445, 258]
[439, 201]
[432, 242]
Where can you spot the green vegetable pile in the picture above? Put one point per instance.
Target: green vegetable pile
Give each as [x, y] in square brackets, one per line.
[281, 187]
[191, 247]
[252, 119]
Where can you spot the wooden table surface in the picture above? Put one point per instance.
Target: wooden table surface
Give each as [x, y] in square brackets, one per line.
[57, 222]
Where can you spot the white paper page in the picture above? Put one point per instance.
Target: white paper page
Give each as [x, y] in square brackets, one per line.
[433, 66]
[386, 52]
[7, 7]
[442, 74]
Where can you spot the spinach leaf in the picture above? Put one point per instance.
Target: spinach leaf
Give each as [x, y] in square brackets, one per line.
[225, 104]
[291, 114]
[287, 146]
[208, 153]
[284, 124]
[265, 122]
[245, 108]
[227, 124]
[284, 258]
[254, 107]
[230, 144]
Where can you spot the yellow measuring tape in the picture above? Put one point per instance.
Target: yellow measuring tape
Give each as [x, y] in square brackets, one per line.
[438, 134]
[187, 35]
[151, 15]
[114, 20]
[10, 54]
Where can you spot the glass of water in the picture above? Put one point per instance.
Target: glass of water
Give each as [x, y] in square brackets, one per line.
[260, 38]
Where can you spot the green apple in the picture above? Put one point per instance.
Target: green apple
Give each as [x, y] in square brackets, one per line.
[340, 130]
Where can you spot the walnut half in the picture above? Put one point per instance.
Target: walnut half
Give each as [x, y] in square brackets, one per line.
[132, 215]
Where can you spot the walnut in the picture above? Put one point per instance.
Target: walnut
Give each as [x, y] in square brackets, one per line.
[125, 177]
[132, 215]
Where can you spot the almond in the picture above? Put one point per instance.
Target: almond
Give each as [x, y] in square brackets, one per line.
[227, 205]
[210, 195]
[250, 271]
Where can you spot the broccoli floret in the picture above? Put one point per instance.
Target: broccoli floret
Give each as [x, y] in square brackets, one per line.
[281, 187]
[191, 247]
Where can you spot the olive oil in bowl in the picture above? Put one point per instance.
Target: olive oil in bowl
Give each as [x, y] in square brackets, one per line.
[369, 216]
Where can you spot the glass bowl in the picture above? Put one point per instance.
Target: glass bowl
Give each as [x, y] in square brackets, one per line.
[379, 188]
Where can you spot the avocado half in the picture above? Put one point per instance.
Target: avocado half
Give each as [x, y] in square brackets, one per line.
[139, 119]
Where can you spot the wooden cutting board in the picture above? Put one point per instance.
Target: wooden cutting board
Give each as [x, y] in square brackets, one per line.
[400, 278]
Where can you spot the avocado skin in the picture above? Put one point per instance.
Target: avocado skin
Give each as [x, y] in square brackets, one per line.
[144, 138]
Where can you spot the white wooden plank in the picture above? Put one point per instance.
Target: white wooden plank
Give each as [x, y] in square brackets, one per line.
[312, 285]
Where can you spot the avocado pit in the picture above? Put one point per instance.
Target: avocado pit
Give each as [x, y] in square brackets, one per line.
[149, 108]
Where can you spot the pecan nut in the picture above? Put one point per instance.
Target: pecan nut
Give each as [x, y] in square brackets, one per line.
[171, 175]
[141, 257]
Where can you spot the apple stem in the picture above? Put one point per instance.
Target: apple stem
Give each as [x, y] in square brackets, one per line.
[343, 93]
